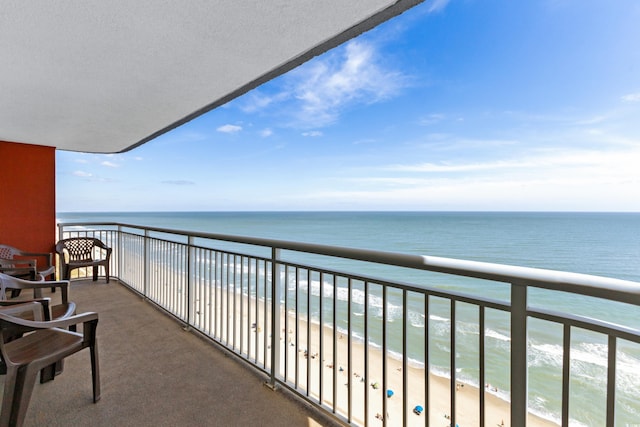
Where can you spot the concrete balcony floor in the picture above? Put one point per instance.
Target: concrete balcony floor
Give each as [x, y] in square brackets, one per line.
[153, 373]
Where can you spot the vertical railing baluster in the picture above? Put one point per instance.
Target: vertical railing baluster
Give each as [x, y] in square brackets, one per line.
[611, 381]
[265, 335]
[385, 413]
[366, 353]
[119, 257]
[321, 341]
[349, 359]
[190, 285]
[427, 372]
[518, 355]
[452, 362]
[227, 300]
[566, 370]
[308, 349]
[405, 357]
[208, 283]
[297, 327]
[334, 362]
[275, 316]
[481, 361]
[147, 264]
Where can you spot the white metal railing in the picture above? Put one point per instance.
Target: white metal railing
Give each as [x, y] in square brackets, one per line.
[267, 303]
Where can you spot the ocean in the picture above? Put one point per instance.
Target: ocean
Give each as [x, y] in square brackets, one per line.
[602, 244]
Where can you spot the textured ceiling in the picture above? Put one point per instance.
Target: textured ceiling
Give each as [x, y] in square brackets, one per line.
[108, 75]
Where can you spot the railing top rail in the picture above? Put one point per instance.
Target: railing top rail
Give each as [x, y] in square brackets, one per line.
[583, 284]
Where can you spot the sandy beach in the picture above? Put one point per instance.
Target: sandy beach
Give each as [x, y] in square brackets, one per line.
[353, 384]
[357, 382]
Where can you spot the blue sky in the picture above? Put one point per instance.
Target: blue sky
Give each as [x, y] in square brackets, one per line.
[455, 105]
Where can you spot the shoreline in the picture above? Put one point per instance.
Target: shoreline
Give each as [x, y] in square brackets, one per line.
[497, 410]
[353, 384]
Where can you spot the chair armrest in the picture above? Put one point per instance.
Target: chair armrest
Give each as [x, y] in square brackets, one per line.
[101, 244]
[17, 283]
[48, 255]
[49, 271]
[11, 261]
[71, 309]
[44, 302]
[89, 317]
[37, 308]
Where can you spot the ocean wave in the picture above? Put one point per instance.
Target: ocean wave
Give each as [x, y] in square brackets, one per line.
[438, 318]
[490, 333]
[589, 363]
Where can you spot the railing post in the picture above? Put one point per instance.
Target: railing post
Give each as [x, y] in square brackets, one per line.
[275, 317]
[519, 379]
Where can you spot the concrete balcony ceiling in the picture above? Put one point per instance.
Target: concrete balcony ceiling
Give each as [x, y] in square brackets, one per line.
[107, 76]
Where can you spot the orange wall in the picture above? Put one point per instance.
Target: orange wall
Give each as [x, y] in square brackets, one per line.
[27, 196]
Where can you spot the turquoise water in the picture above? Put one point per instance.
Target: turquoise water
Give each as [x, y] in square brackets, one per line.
[603, 244]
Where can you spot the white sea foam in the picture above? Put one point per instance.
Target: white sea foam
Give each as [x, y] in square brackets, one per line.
[416, 319]
[490, 333]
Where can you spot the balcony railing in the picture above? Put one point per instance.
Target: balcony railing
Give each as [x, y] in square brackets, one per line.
[357, 333]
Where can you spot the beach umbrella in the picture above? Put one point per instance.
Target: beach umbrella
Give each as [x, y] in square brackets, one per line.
[418, 409]
[389, 393]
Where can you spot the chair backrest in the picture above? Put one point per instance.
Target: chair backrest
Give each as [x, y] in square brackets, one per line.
[8, 252]
[77, 248]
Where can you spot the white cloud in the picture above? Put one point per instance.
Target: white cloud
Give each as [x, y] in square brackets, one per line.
[109, 164]
[437, 5]
[82, 174]
[266, 133]
[555, 161]
[258, 101]
[314, 94]
[492, 194]
[229, 128]
[431, 119]
[355, 74]
[631, 97]
[313, 133]
[179, 182]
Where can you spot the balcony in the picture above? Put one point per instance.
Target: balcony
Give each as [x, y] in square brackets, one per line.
[153, 372]
[223, 288]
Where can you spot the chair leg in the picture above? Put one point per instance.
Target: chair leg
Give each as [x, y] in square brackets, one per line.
[95, 272]
[106, 271]
[48, 373]
[25, 381]
[95, 372]
[7, 398]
